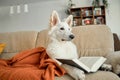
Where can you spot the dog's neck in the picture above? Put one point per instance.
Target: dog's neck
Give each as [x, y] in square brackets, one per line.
[58, 41]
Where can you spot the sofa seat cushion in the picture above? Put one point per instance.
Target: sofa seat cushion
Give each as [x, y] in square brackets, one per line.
[102, 75]
[64, 77]
[99, 75]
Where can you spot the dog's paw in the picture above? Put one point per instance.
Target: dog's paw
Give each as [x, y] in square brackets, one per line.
[106, 67]
[78, 74]
[74, 72]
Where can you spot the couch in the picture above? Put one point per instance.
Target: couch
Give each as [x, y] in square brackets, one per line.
[91, 40]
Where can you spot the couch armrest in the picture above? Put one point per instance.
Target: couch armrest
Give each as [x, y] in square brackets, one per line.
[116, 42]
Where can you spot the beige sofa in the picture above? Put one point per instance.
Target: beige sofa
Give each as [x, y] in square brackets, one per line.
[92, 40]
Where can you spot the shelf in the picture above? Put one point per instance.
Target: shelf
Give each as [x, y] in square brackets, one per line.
[88, 15]
[76, 16]
[99, 15]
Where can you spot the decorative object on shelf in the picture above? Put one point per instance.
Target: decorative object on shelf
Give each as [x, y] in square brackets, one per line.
[87, 13]
[97, 11]
[69, 5]
[87, 21]
[96, 3]
[99, 20]
[76, 22]
[11, 9]
[26, 8]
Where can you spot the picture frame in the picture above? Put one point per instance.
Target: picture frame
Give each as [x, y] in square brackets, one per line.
[97, 11]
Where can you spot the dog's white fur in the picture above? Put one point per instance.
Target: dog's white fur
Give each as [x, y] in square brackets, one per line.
[61, 45]
[113, 59]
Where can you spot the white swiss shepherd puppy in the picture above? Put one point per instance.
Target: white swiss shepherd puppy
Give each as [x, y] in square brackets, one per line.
[61, 45]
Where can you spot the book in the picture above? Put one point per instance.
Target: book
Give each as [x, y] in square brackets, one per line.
[88, 64]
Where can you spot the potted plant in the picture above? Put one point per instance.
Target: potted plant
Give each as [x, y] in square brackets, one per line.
[69, 5]
[96, 3]
[105, 3]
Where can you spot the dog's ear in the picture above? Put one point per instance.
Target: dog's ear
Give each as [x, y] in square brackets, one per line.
[69, 20]
[54, 19]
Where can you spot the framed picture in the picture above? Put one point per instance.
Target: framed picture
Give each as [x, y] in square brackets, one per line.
[97, 11]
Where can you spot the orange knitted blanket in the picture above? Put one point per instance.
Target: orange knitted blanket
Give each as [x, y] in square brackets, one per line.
[33, 64]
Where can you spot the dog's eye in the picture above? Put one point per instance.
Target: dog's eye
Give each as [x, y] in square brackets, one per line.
[61, 28]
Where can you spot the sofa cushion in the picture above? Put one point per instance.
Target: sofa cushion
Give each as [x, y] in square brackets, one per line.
[43, 38]
[93, 40]
[18, 41]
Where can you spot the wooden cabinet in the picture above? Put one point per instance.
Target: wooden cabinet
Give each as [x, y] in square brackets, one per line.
[88, 15]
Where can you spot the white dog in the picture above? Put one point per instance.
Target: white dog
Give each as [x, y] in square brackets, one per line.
[61, 45]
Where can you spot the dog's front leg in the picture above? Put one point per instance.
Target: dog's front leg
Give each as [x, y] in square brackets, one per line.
[74, 72]
[106, 67]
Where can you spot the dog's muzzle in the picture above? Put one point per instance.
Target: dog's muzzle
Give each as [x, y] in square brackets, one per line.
[69, 38]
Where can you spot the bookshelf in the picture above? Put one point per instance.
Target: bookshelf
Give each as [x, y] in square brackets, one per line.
[88, 15]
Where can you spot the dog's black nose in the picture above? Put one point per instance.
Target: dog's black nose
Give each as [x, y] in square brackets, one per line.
[71, 36]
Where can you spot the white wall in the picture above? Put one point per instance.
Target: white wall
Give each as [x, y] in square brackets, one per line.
[38, 16]
[113, 16]
[36, 19]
